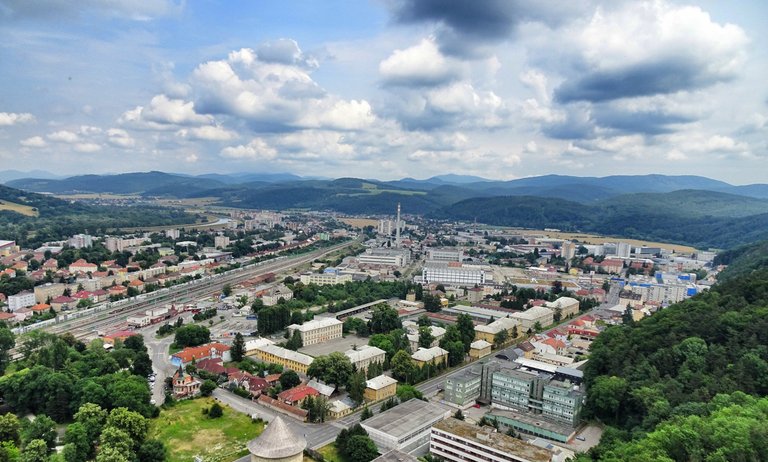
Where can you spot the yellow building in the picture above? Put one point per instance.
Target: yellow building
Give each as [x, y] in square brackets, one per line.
[289, 359]
[434, 355]
[488, 332]
[479, 349]
[381, 387]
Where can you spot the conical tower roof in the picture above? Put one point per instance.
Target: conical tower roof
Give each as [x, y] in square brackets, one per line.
[277, 441]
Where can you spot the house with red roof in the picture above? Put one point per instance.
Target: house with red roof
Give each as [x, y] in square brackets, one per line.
[117, 290]
[119, 335]
[40, 308]
[8, 318]
[62, 302]
[296, 395]
[82, 266]
[209, 350]
[254, 385]
[50, 265]
[184, 385]
[612, 266]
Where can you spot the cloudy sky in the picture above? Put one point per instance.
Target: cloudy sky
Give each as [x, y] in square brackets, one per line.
[386, 88]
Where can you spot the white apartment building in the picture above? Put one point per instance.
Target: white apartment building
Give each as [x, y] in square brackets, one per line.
[21, 300]
[453, 273]
[172, 233]
[457, 441]
[80, 241]
[317, 330]
[365, 355]
[220, 241]
[322, 279]
[275, 294]
[529, 318]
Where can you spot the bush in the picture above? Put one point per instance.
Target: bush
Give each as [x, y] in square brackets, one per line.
[216, 411]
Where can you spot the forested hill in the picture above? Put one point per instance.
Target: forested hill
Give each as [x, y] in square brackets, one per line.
[698, 218]
[664, 382]
[56, 219]
[743, 260]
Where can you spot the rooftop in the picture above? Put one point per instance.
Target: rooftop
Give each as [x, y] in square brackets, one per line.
[315, 324]
[277, 441]
[285, 353]
[395, 456]
[379, 382]
[406, 418]
[486, 436]
[428, 354]
[364, 352]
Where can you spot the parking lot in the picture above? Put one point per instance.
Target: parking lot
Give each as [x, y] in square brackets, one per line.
[340, 344]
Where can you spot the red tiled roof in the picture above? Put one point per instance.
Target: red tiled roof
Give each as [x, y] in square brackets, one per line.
[297, 393]
[41, 307]
[63, 299]
[301, 413]
[4, 316]
[200, 352]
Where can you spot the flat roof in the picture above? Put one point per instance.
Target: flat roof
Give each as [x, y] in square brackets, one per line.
[486, 436]
[534, 420]
[395, 456]
[404, 419]
[317, 323]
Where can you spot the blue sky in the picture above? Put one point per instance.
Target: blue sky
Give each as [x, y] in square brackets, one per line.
[386, 89]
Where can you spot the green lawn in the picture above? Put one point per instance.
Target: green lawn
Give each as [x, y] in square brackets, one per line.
[187, 432]
[331, 454]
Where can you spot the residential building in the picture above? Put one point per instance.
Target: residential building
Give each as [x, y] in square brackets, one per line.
[221, 241]
[277, 443]
[82, 266]
[80, 241]
[538, 314]
[365, 355]
[184, 385]
[479, 349]
[296, 395]
[488, 332]
[380, 387]
[48, 291]
[413, 336]
[434, 355]
[562, 401]
[209, 350]
[322, 279]
[289, 359]
[341, 407]
[454, 440]
[273, 295]
[568, 306]
[405, 427]
[318, 330]
[21, 300]
[463, 388]
[172, 233]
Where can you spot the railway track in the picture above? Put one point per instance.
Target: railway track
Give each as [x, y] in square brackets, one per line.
[111, 314]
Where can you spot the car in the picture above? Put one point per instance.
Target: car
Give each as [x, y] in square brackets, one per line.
[581, 438]
[476, 406]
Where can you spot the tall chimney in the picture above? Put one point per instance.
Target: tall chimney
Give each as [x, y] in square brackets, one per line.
[397, 227]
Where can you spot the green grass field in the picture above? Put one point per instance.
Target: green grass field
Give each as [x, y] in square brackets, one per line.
[331, 454]
[19, 208]
[188, 433]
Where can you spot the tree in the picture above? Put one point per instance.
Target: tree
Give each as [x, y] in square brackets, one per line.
[366, 414]
[135, 343]
[356, 387]
[425, 337]
[384, 319]
[111, 454]
[319, 409]
[557, 315]
[335, 368]
[7, 342]
[295, 342]
[500, 338]
[238, 348]
[142, 364]
[41, 428]
[207, 387]
[226, 290]
[35, 451]
[361, 448]
[10, 428]
[192, 335]
[537, 326]
[431, 303]
[93, 418]
[466, 329]
[403, 369]
[78, 440]
[289, 379]
[216, 411]
[606, 396]
[627, 317]
[117, 440]
[424, 321]
[455, 351]
[131, 422]
[151, 451]
[458, 414]
[406, 392]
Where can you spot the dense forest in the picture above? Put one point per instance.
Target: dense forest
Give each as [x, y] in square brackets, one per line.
[59, 219]
[672, 386]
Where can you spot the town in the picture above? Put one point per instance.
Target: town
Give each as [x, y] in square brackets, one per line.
[435, 339]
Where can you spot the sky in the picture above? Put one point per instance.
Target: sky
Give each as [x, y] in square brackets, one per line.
[386, 89]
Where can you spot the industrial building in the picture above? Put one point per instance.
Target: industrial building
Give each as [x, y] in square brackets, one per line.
[385, 257]
[405, 427]
[463, 388]
[317, 330]
[453, 273]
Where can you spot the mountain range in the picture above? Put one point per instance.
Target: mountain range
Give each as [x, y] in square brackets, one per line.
[687, 209]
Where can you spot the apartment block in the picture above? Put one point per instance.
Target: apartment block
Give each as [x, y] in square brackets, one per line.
[463, 389]
[454, 440]
[317, 330]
